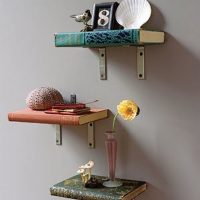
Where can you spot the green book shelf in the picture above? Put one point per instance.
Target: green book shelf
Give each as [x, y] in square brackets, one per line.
[112, 38]
[74, 189]
[127, 37]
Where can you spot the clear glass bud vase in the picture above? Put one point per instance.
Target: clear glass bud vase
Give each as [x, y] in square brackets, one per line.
[111, 151]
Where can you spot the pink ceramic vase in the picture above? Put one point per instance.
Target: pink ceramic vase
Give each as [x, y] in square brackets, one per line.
[111, 151]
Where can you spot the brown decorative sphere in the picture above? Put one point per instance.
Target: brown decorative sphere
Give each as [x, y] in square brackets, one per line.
[43, 98]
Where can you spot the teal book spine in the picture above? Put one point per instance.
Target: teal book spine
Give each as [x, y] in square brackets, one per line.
[69, 39]
[112, 38]
[98, 38]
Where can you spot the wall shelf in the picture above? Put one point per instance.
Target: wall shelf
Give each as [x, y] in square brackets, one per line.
[112, 38]
[32, 116]
[74, 188]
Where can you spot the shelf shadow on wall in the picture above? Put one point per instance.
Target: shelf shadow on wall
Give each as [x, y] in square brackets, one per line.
[172, 87]
[156, 21]
[137, 163]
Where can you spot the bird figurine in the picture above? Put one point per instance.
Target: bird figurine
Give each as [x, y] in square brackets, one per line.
[84, 17]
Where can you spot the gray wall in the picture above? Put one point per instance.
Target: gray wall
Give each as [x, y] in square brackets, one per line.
[161, 146]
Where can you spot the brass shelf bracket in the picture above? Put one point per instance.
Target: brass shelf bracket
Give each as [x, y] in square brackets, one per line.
[58, 134]
[102, 64]
[91, 135]
[140, 62]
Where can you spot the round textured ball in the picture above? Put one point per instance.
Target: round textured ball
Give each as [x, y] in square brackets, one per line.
[43, 98]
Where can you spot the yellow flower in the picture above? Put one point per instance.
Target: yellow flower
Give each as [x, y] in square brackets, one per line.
[127, 109]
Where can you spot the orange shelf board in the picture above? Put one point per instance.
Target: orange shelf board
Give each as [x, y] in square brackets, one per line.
[33, 116]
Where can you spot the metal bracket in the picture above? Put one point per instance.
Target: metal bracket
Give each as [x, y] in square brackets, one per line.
[91, 135]
[140, 62]
[102, 63]
[58, 134]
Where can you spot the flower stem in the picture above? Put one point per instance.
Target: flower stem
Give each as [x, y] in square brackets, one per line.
[114, 119]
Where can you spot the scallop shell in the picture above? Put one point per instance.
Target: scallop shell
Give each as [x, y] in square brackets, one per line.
[132, 14]
[43, 98]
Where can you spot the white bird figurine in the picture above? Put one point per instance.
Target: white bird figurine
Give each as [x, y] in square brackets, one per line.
[84, 17]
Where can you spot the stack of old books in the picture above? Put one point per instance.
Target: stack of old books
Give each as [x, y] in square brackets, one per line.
[69, 109]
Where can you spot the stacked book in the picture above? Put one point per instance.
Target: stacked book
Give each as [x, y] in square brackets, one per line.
[74, 189]
[108, 38]
[68, 109]
[63, 114]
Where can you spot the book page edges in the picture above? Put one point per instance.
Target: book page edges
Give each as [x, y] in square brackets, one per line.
[135, 193]
[96, 115]
[151, 36]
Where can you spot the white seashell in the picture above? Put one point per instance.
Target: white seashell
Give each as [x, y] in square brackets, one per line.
[132, 14]
[43, 98]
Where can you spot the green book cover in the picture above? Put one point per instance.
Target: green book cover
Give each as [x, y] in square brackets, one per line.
[112, 37]
[74, 189]
[126, 37]
[69, 39]
[97, 38]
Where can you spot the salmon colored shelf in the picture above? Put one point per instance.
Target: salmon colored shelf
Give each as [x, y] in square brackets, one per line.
[28, 115]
